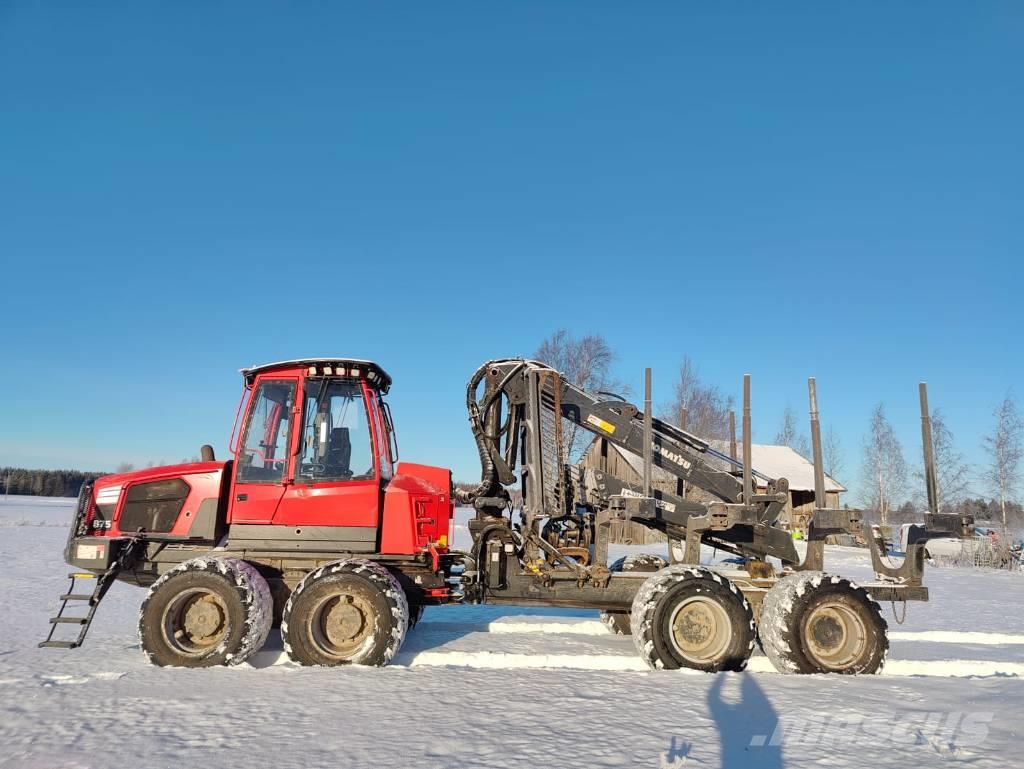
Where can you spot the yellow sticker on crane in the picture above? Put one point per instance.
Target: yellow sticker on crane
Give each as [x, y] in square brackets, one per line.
[599, 423]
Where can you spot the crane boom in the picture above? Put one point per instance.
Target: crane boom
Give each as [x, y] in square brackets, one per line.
[516, 421]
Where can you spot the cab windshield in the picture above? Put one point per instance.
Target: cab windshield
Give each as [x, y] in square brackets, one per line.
[336, 439]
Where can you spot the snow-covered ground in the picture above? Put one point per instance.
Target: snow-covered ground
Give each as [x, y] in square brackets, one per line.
[497, 686]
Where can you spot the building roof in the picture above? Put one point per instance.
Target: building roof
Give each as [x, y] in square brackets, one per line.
[772, 461]
[780, 462]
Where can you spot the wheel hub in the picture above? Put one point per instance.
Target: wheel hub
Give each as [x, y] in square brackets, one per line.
[344, 621]
[694, 626]
[828, 633]
[203, 618]
[700, 629]
[341, 624]
[194, 621]
[834, 635]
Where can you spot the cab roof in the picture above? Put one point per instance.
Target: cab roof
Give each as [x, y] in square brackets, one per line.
[377, 376]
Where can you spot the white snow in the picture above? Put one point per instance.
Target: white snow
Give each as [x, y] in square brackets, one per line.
[490, 686]
[958, 636]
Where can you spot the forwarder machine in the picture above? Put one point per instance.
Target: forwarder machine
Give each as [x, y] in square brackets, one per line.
[313, 526]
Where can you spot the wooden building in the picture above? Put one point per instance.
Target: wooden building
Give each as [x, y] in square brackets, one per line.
[785, 462]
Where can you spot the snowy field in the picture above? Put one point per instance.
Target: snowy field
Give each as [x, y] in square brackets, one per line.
[498, 686]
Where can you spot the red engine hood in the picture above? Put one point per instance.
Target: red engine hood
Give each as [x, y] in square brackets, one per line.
[203, 481]
[158, 473]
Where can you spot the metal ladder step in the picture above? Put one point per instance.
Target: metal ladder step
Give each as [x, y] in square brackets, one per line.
[102, 583]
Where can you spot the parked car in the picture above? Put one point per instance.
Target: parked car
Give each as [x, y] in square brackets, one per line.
[985, 548]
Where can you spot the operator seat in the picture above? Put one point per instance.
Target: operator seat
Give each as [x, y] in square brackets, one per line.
[339, 454]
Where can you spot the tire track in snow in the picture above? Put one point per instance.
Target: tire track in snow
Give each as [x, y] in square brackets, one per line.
[590, 627]
[958, 637]
[595, 627]
[627, 663]
[621, 662]
[69, 680]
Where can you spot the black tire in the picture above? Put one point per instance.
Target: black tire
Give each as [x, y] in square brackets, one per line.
[206, 612]
[345, 613]
[818, 623]
[415, 614]
[618, 621]
[689, 616]
[639, 562]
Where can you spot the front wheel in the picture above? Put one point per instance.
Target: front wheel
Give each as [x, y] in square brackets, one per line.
[818, 623]
[346, 613]
[206, 612]
[689, 616]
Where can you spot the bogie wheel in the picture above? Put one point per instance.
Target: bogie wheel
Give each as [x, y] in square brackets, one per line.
[618, 621]
[346, 613]
[206, 612]
[819, 623]
[689, 616]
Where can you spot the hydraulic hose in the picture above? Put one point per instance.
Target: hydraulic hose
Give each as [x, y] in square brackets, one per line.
[488, 473]
[489, 481]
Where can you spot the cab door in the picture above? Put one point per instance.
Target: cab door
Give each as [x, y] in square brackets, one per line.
[261, 471]
[337, 473]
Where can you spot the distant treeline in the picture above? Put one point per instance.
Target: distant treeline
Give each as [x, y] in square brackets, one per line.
[44, 483]
[987, 512]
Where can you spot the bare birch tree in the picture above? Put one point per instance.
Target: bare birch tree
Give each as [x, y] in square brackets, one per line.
[832, 454]
[952, 473]
[1003, 446]
[789, 434]
[585, 362]
[884, 470]
[707, 408]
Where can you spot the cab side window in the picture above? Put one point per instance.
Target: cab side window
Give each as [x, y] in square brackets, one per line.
[264, 454]
[387, 468]
[336, 439]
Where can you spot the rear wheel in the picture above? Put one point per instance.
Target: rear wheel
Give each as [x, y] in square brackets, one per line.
[688, 616]
[819, 623]
[618, 621]
[206, 612]
[345, 613]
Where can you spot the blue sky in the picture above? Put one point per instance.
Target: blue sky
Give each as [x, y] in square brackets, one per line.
[781, 189]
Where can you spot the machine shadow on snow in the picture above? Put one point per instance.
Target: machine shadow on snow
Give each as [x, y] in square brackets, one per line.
[459, 622]
[436, 630]
[745, 727]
